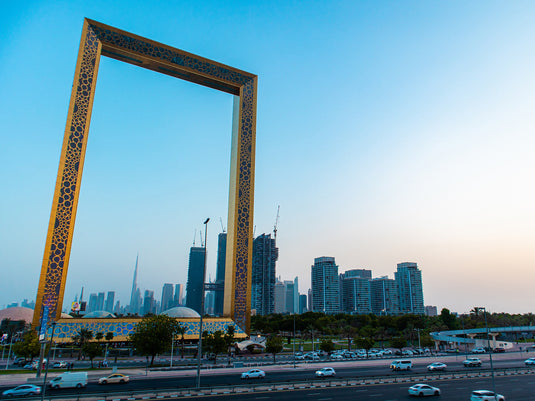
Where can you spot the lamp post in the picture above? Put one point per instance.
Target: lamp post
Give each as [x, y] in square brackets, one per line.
[47, 361]
[172, 346]
[199, 349]
[419, 344]
[490, 351]
[293, 341]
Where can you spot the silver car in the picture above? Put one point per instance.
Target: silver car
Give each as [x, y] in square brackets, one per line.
[421, 390]
[25, 389]
[486, 395]
[253, 374]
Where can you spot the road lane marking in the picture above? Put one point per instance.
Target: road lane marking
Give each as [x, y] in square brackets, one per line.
[313, 394]
[262, 398]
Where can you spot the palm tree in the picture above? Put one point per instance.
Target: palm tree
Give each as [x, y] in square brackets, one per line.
[81, 338]
[109, 337]
[181, 330]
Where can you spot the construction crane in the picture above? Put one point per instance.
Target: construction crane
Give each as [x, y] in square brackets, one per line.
[200, 234]
[276, 223]
[221, 221]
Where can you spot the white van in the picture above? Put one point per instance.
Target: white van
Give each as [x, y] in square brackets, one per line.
[401, 364]
[69, 379]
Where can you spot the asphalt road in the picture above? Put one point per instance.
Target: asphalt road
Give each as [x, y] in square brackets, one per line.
[512, 387]
[279, 374]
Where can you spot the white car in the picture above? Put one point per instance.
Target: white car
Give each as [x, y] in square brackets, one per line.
[471, 362]
[486, 395]
[60, 365]
[530, 361]
[478, 350]
[436, 366]
[324, 372]
[421, 390]
[114, 378]
[337, 356]
[253, 374]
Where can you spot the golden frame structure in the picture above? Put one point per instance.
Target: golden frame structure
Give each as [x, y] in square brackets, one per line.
[99, 39]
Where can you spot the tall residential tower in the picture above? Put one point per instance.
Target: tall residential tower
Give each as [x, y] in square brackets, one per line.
[325, 287]
[265, 255]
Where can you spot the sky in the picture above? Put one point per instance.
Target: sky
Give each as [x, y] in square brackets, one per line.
[387, 132]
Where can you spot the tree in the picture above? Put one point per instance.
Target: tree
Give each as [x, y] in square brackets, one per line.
[92, 350]
[229, 339]
[181, 331]
[153, 335]
[81, 338]
[365, 343]
[398, 342]
[449, 319]
[274, 345]
[29, 346]
[349, 332]
[99, 336]
[214, 343]
[108, 337]
[327, 345]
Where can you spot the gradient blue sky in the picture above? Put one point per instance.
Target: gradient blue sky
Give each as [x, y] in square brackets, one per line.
[387, 132]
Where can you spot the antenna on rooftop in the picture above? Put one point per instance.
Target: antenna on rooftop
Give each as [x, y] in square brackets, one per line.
[222, 227]
[194, 235]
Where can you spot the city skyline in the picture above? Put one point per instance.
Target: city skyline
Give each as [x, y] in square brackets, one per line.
[386, 132]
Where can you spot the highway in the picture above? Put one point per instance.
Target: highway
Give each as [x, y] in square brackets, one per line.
[180, 379]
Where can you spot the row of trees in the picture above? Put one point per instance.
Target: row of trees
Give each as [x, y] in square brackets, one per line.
[365, 331]
[154, 335]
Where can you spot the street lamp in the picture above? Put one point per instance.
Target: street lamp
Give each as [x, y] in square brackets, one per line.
[293, 341]
[490, 351]
[48, 361]
[199, 349]
[172, 346]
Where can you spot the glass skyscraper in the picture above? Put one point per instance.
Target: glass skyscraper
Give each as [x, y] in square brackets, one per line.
[410, 290]
[325, 286]
[195, 278]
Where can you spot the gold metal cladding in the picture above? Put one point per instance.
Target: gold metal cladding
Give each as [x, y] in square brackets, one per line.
[99, 39]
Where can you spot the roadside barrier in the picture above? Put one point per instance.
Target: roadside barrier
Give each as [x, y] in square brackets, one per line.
[285, 386]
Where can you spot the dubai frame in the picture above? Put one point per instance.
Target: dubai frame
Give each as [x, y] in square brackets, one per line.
[99, 39]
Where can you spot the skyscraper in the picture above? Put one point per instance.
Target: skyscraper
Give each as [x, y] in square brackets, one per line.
[93, 303]
[179, 295]
[220, 273]
[410, 290]
[325, 287]
[280, 297]
[355, 291]
[384, 296]
[265, 255]
[302, 303]
[149, 306]
[110, 299]
[292, 296]
[135, 295]
[195, 278]
[100, 301]
[167, 296]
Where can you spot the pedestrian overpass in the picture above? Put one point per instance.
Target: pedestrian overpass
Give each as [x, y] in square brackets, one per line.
[468, 336]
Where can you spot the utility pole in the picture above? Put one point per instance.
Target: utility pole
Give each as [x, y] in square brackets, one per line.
[199, 349]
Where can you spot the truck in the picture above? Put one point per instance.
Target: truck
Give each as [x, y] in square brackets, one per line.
[69, 380]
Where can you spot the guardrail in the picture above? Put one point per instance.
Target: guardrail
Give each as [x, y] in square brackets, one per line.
[250, 387]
